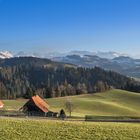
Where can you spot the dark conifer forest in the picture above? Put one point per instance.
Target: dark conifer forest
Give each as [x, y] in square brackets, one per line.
[26, 76]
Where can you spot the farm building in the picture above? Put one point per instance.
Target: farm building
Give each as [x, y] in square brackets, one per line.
[36, 106]
[1, 105]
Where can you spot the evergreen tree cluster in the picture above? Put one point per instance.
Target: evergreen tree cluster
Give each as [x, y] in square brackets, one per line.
[24, 77]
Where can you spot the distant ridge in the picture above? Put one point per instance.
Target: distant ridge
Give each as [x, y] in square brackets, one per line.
[5, 54]
[122, 64]
[114, 61]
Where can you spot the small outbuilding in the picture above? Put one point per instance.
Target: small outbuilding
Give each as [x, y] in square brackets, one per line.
[1, 105]
[36, 107]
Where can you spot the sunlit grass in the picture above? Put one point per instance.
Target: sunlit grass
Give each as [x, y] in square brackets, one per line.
[112, 103]
[12, 129]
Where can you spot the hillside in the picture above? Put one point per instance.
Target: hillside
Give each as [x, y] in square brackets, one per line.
[122, 64]
[32, 62]
[26, 76]
[113, 103]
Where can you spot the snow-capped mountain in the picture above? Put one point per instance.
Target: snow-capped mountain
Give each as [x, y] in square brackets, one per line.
[5, 54]
[48, 55]
[122, 64]
[108, 55]
[51, 55]
[23, 54]
[106, 60]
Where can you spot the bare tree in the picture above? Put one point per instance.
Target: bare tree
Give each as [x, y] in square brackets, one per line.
[69, 106]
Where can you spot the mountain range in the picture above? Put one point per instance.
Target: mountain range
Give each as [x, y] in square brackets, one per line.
[122, 64]
[114, 61]
[108, 55]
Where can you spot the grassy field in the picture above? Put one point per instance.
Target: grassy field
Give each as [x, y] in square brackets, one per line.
[112, 103]
[26, 129]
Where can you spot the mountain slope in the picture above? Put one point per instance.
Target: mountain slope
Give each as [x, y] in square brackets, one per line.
[32, 61]
[107, 60]
[21, 77]
[124, 65]
[5, 54]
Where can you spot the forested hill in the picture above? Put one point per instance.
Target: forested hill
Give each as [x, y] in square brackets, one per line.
[25, 76]
[31, 61]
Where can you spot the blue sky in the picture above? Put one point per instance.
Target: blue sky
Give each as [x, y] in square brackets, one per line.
[64, 25]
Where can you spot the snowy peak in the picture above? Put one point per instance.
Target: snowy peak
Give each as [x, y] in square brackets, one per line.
[5, 54]
[108, 55]
[51, 55]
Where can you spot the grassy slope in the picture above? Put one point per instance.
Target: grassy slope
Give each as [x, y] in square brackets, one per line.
[12, 129]
[114, 102]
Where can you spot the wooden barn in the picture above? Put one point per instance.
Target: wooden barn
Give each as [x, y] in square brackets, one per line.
[36, 107]
[1, 105]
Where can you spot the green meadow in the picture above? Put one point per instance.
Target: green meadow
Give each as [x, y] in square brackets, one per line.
[31, 129]
[110, 103]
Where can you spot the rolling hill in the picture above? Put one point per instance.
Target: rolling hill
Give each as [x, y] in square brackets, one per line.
[112, 103]
[23, 76]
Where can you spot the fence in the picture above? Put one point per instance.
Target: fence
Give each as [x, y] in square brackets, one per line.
[11, 113]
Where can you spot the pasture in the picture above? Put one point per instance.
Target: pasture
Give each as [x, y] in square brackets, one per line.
[30, 129]
[110, 103]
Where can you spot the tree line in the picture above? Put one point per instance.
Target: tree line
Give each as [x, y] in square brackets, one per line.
[49, 79]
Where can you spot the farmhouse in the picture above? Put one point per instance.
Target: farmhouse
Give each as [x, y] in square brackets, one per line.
[1, 105]
[36, 106]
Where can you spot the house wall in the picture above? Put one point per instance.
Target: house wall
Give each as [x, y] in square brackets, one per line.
[31, 109]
